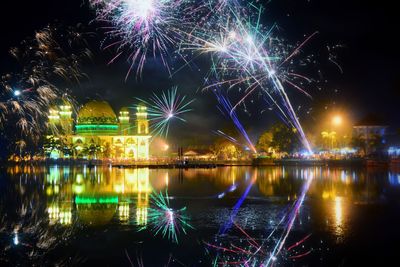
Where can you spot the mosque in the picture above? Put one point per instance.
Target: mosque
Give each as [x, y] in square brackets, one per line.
[97, 133]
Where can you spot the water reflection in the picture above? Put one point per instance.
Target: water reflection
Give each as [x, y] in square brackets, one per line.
[253, 197]
[97, 194]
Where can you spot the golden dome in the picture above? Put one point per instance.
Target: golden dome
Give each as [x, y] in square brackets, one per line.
[97, 112]
[96, 214]
[97, 118]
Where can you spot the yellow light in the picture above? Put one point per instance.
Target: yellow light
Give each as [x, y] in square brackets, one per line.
[338, 212]
[337, 120]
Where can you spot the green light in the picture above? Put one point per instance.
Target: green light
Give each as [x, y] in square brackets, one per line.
[97, 126]
[94, 200]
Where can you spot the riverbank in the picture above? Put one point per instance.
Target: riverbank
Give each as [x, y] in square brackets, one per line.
[258, 162]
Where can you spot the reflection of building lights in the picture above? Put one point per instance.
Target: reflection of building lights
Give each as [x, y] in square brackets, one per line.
[94, 200]
[166, 179]
[394, 178]
[78, 189]
[15, 238]
[141, 211]
[119, 188]
[54, 212]
[338, 216]
[123, 211]
[65, 217]
[141, 216]
[79, 178]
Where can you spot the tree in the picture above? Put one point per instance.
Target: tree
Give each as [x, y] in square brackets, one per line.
[358, 142]
[264, 142]
[367, 146]
[225, 150]
[284, 139]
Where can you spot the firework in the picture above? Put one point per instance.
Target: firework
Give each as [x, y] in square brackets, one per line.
[261, 251]
[166, 221]
[54, 53]
[226, 108]
[247, 54]
[165, 108]
[141, 28]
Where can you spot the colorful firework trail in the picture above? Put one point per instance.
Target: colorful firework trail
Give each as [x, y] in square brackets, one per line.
[261, 251]
[226, 108]
[141, 28]
[166, 221]
[163, 109]
[245, 53]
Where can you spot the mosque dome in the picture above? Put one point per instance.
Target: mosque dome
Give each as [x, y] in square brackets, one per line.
[96, 214]
[97, 117]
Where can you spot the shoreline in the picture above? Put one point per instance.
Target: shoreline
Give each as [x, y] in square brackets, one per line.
[368, 163]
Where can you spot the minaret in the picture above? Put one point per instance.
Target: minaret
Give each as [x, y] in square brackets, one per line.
[142, 122]
[65, 116]
[124, 122]
[54, 117]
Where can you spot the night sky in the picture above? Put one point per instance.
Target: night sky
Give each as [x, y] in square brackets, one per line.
[370, 57]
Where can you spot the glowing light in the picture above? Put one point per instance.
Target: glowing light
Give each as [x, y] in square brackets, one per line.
[141, 27]
[94, 200]
[337, 120]
[17, 93]
[144, 8]
[15, 238]
[338, 212]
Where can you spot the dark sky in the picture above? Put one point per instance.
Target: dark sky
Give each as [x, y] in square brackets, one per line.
[369, 57]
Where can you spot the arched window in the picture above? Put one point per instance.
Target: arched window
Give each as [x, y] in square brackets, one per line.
[118, 142]
[142, 128]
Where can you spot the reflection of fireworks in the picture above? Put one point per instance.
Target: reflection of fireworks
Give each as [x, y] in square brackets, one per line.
[247, 54]
[32, 237]
[165, 108]
[247, 250]
[145, 27]
[165, 220]
[25, 96]
[262, 251]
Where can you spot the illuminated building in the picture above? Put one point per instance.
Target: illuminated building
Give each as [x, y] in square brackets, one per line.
[371, 130]
[97, 133]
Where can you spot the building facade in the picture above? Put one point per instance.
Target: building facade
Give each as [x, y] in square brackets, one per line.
[371, 132]
[97, 133]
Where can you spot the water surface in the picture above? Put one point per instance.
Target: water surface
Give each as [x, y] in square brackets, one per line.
[230, 216]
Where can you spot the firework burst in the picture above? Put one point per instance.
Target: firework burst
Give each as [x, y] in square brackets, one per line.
[165, 108]
[53, 55]
[246, 54]
[141, 28]
[166, 221]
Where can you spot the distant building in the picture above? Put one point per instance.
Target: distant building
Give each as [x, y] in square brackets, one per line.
[97, 133]
[372, 131]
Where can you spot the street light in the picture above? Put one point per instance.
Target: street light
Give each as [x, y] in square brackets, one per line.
[337, 120]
